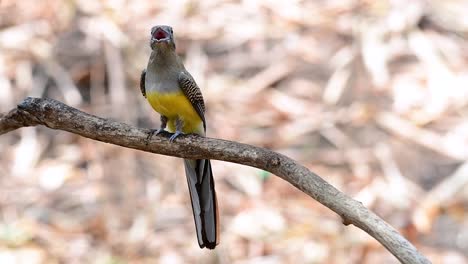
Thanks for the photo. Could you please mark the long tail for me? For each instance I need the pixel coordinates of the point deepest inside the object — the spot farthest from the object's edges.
(204, 204)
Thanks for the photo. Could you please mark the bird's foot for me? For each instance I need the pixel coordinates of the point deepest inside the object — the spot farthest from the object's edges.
(176, 134)
(153, 132)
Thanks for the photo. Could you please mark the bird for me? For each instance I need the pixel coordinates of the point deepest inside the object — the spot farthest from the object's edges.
(173, 93)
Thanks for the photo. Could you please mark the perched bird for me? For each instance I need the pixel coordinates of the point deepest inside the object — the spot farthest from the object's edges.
(172, 92)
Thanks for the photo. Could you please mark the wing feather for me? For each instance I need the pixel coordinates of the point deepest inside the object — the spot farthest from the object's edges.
(190, 89)
(142, 83)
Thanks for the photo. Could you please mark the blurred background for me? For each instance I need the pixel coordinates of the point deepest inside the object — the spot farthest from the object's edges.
(371, 95)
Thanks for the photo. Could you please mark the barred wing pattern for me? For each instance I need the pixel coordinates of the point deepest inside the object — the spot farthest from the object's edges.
(193, 93)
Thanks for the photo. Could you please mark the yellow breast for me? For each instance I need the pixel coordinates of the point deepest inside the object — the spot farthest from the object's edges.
(173, 106)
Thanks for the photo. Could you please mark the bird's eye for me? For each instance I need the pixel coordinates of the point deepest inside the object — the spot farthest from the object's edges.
(171, 30)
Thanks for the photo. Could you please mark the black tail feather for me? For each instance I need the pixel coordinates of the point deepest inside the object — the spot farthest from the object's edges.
(204, 204)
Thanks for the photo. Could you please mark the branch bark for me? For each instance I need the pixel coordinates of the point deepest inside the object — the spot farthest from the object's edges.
(56, 115)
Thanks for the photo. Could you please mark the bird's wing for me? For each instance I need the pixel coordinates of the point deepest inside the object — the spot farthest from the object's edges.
(142, 82)
(193, 93)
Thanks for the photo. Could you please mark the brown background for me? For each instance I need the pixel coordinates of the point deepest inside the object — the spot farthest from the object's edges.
(371, 95)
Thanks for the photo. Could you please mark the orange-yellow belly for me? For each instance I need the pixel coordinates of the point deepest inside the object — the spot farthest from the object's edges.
(173, 106)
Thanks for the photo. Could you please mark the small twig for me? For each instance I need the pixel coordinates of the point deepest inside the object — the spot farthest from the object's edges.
(423, 137)
(341, 77)
(273, 74)
(440, 195)
(400, 191)
(56, 115)
(64, 82)
(115, 71)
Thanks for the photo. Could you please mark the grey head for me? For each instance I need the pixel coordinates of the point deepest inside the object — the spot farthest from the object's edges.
(162, 38)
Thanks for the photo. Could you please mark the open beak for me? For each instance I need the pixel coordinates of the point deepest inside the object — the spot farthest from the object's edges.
(160, 35)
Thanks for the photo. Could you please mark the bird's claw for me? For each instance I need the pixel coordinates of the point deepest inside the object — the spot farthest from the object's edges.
(153, 132)
(176, 134)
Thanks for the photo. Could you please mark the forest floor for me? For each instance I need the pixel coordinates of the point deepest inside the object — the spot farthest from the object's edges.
(370, 95)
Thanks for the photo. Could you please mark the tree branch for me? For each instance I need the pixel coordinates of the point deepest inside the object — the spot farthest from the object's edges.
(56, 115)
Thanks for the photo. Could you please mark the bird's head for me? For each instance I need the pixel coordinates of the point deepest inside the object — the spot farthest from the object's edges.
(162, 38)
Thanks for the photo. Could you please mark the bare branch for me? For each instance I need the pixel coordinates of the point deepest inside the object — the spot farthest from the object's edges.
(56, 115)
